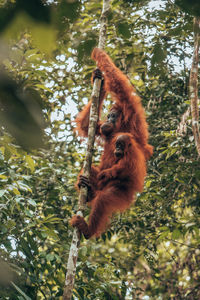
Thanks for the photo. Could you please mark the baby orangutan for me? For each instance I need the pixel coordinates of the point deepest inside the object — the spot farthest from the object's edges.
(112, 185)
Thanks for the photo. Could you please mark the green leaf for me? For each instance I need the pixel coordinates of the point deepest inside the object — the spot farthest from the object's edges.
(10, 224)
(124, 30)
(171, 152)
(23, 186)
(50, 233)
(50, 257)
(29, 213)
(176, 234)
(32, 202)
(84, 251)
(51, 219)
(2, 192)
(163, 235)
(30, 163)
(85, 47)
(159, 54)
(43, 87)
(16, 191)
(21, 292)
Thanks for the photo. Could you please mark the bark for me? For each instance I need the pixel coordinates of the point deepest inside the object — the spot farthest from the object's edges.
(182, 127)
(73, 254)
(193, 85)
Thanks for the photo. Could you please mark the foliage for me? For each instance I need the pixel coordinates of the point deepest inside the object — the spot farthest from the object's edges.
(153, 249)
(192, 7)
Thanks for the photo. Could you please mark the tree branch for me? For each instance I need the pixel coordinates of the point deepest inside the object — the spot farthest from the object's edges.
(182, 127)
(73, 254)
(193, 85)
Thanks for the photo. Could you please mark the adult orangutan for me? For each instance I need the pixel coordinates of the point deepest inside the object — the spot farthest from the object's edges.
(126, 114)
(112, 185)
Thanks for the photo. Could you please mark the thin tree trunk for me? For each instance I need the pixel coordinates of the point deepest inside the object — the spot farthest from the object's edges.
(193, 85)
(73, 254)
(182, 127)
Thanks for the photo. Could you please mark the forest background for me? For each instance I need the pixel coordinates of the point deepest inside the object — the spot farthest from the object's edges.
(152, 250)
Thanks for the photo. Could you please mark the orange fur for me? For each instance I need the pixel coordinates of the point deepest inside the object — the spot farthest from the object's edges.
(132, 116)
(115, 183)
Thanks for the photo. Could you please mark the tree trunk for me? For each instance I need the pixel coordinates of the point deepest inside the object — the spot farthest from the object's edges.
(193, 85)
(182, 127)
